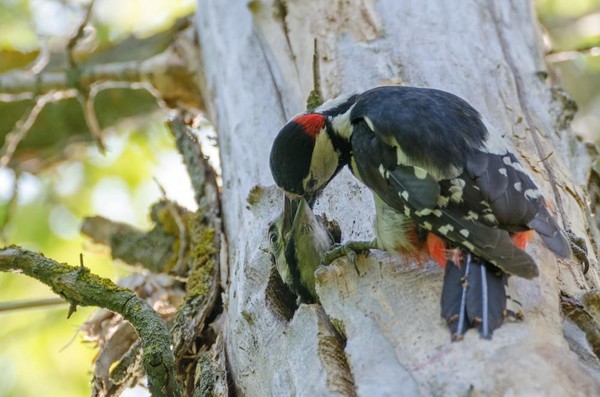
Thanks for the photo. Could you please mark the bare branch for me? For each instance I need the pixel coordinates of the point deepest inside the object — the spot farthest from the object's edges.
(171, 75)
(78, 35)
(30, 304)
(569, 55)
(29, 117)
(91, 119)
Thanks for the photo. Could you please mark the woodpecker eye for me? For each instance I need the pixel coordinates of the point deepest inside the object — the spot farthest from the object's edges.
(311, 184)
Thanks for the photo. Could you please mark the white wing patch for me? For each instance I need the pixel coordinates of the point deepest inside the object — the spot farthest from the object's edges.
(443, 201)
(445, 229)
(533, 193)
(472, 216)
(456, 190)
(424, 212)
(420, 173)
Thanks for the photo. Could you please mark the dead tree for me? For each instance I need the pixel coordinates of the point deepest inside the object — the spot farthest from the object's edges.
(379, 332)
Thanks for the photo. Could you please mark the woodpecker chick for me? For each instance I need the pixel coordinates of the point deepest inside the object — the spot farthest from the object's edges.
(298, 239)
(436, 168)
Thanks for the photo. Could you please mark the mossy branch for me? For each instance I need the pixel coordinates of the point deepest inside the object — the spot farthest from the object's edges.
(157, 249)
(82, 288)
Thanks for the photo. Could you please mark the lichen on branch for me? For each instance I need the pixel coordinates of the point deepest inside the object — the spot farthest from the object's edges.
(80, 287)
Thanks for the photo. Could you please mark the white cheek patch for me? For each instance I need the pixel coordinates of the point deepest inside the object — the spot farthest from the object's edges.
(324, 161)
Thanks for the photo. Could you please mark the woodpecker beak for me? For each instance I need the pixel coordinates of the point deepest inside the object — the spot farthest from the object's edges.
(311, 198)
(290, 206)
(303, 217)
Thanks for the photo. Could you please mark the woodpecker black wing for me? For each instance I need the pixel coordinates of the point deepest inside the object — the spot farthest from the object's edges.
(436, 130)
(440, 135)
(405, 189)
(514, 199)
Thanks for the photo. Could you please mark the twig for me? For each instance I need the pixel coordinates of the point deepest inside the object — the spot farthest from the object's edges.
(315, 98)
(89, 114)
(78, 35)
(80, 287)
(30, 304)
(43, 58)
(24, 124)
(568, 55)
(83, 94)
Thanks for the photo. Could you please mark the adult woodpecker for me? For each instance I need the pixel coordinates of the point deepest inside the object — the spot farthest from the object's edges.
(442, 184)
(298, 239)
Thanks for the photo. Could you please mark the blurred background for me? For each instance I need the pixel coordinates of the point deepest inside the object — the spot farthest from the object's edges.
(58, 176)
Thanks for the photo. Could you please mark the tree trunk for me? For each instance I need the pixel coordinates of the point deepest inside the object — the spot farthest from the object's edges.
(378, 331)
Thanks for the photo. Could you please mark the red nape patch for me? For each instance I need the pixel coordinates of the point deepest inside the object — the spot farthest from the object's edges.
(312, 123)
(437, 249)
(521, 239)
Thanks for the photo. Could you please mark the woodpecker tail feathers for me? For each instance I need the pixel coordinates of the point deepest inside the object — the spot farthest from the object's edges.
(548, 230)
(473, 296)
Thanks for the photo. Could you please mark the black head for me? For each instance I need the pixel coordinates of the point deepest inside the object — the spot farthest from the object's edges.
(303, 158)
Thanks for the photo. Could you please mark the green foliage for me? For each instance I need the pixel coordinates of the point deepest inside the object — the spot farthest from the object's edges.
(574, 28)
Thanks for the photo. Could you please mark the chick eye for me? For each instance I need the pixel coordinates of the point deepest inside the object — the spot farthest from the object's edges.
(273, 237)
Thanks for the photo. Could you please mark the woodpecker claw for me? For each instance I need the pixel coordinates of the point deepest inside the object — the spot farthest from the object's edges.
(350, 251)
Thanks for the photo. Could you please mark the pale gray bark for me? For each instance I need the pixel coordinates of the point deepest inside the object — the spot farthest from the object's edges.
(257, 73)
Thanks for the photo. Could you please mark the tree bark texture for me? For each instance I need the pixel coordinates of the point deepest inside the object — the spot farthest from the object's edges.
(378, 331)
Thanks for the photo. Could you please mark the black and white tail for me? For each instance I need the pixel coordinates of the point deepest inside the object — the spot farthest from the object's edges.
(474, 296)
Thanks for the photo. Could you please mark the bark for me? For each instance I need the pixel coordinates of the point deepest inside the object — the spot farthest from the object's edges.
(379, 332)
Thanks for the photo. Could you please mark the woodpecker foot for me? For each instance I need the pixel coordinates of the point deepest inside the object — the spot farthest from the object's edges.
(514, 310)
(579, 249)
(349, 250)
